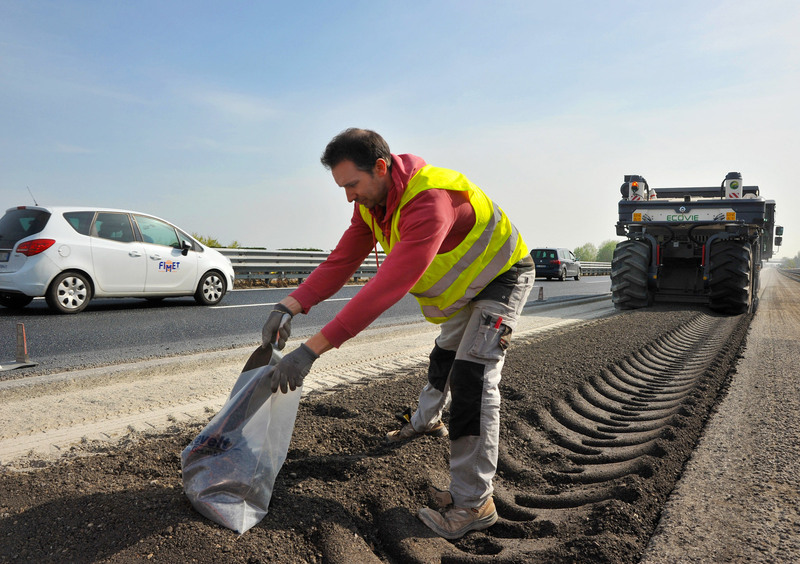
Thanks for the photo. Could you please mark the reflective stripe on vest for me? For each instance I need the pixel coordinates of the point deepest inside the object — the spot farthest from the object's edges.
(491, 247)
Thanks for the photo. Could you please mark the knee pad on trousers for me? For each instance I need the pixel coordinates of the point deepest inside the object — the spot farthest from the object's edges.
(466, 389)
(440, 366)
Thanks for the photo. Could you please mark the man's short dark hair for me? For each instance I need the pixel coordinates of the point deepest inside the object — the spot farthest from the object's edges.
(361, 146)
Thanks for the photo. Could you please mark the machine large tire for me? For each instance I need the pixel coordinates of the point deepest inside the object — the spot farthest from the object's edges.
(729, 281)
(629, 268)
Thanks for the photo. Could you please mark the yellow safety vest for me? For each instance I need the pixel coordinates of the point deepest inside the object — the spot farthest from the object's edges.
(491, 247)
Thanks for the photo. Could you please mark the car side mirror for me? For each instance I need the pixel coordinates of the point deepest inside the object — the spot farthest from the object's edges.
(186, 246)
(778, 241)
(779, 230)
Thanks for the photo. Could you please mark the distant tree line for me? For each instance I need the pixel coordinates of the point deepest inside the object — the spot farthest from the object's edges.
(589, 253)
(793, 262)
(215, 244)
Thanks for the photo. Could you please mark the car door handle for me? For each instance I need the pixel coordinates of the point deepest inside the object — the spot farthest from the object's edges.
(155, 257)
(134, 254)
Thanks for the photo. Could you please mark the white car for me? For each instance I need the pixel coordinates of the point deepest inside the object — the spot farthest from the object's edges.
(70, 255)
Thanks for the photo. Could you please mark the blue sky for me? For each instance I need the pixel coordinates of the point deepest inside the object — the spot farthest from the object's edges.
(214, 114)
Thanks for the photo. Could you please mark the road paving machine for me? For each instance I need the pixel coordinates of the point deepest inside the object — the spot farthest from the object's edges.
(704, 245)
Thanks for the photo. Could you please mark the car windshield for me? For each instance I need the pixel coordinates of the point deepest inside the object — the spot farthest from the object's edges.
(543, 254)
(20, 223)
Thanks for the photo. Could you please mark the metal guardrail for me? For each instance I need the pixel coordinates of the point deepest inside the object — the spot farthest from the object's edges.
(792, 273)
(595, 268)
(258, 264)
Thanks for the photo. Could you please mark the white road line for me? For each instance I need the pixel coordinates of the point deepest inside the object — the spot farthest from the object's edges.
(274, 303)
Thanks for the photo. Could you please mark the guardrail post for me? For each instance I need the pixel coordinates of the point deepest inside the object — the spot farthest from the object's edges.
(22, 360)
(541, 294)
(22, 345)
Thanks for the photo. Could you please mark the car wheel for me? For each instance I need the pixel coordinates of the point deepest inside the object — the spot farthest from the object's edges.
(14, 301)
(578, 275)
(563, 274)
(211, 289)
(69, 292)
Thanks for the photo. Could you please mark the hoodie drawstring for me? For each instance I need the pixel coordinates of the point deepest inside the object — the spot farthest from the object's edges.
(374, 241)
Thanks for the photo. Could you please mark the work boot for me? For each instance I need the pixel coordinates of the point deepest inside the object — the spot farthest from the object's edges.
(455, 522)
(440, 498)
(407, 432)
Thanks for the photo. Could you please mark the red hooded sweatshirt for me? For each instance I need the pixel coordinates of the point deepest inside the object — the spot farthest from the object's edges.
(434, 221)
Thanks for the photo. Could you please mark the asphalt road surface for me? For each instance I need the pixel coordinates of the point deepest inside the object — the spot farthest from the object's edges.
(111, 331)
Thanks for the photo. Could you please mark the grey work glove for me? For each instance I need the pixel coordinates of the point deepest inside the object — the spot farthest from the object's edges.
(277, 328)
(293, 368)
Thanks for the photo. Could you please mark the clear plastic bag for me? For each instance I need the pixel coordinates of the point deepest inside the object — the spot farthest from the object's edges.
(229, 469)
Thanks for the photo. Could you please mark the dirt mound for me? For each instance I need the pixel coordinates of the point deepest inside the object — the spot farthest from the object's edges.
(344, 495)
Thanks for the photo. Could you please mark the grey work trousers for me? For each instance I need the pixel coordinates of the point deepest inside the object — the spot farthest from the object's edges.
(465, 374)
